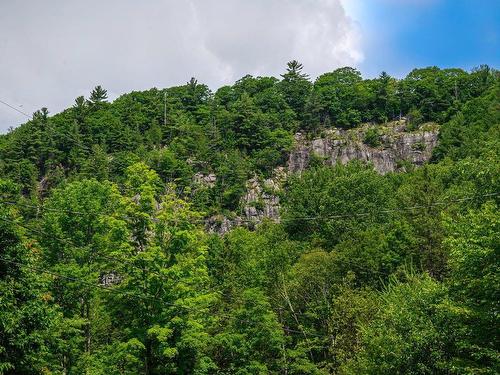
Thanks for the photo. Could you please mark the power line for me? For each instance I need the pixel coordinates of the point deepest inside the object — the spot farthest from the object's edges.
(285, 219)
(162, 277)
(230, 297)
(144, 297)
(123, 261)
(61, 134)
(403, 209)
(15, 109)
(100, 256)
(99, 286)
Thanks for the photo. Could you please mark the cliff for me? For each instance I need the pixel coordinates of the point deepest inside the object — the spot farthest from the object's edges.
(392, 147)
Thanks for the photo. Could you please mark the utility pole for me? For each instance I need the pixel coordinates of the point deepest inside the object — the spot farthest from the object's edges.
(165, 108)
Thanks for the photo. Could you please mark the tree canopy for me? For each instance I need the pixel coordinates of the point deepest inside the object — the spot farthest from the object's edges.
(107, 265)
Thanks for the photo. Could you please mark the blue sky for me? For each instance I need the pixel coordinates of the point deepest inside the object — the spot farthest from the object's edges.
(398, 35)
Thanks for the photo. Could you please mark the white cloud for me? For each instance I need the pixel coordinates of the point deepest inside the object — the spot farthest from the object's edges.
(53, 51)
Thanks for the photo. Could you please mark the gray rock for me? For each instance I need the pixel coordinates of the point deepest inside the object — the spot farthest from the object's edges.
(205, 180)
(109, 278)
(261, 199)
(221, 224)
(398, 145)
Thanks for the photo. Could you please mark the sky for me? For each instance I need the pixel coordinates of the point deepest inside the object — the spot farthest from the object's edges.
(53, 51)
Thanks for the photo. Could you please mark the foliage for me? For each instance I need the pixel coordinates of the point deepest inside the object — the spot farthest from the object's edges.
(407, 335)
(372, 137)
(106, 266)
(328, 204)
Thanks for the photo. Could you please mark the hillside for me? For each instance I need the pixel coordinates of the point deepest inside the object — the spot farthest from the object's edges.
(274, 226)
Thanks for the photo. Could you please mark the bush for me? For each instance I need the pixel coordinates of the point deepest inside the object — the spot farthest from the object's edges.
(372, 138)
(415, 119)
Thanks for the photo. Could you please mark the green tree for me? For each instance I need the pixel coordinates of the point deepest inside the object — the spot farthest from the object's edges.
(28, 319)
(253, 341)
(83, 239)
(408, 334)
(328, 204)
(474, 244)
(338, 97)
(162, 302)
(98, 95)
(423, 190)
(295, 87)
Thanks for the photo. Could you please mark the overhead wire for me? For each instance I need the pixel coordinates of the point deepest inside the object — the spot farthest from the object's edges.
(144, 297)
(243, 220)
(227, 296)
(61, 134)
(15, 109)
(329, 217)
(286, 218)
(102, 256)
(124, 261)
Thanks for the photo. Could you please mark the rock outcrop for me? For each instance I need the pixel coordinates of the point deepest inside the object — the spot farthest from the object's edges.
(205, 180)
(221, 224)
(397, 147)
(110, 278)
(393, 149)
(260, 201)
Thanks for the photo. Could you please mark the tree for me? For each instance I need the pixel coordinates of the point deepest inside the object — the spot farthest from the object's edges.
(422, 190)
(162, 302)
(253, 340)
(41, 115)
(338, 98)
(408, 334)
(232, 171)
(473, 130)
(28, 319)
(474, 244)
(84, 237)
(295, 87)
(98, 95)
(80, 109)
(154, 135)
(97, 164)
(342, 199)
(386, 102)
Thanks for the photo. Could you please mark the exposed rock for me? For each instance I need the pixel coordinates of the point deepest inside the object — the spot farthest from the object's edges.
(397, 146)
(221, 224)
(205, 180)
(275, 183)
(109, 279)
(261, 199)
(259, 202)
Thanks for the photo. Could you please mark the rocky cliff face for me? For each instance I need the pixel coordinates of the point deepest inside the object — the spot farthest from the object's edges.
(395, 148)
(260, 201)
(391, 148)
(262, 197)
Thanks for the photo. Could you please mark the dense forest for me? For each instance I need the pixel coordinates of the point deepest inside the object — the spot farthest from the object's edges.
(107, 267)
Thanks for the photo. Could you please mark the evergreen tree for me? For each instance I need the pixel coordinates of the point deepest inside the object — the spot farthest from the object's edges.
(295, 87)
(98, 95)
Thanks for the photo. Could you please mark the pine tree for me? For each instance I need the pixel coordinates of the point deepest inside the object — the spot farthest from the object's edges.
(98, 95)
(295, 87)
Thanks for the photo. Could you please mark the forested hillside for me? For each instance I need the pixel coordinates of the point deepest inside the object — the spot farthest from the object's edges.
(276, 226)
